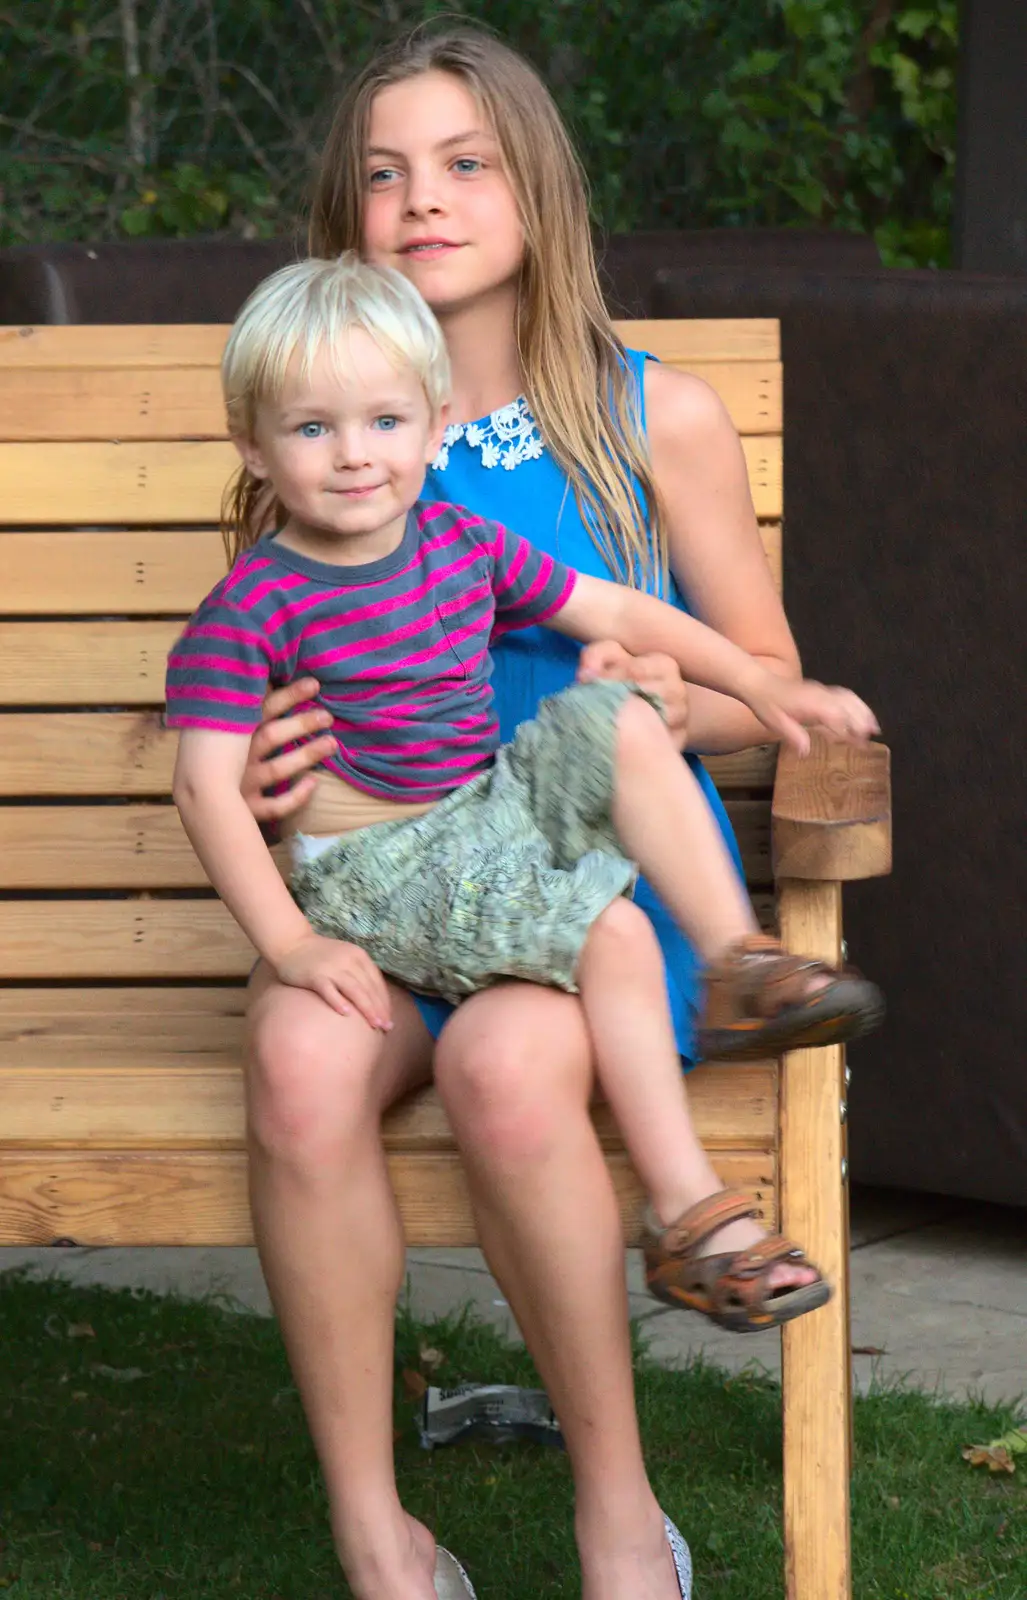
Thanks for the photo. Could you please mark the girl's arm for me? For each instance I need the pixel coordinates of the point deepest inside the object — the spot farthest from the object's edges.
(715, 550)
(597, 609)
(226, 837)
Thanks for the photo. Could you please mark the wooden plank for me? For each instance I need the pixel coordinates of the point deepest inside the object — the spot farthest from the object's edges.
(201, 344)
(110, 847)
(79, 403)
(131, 753)
(160, 481)
(199, 1197)
(127, 1027)
(131, 570)
(85, 752)
(145, 847)
(110, 939)
(84, 663)
(77, 1097)
(832, 813)
(170, 481)
(814, 1206)
(79, 573)
(69, 403)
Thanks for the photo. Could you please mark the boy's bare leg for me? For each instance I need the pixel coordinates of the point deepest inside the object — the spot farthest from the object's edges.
(623, 990)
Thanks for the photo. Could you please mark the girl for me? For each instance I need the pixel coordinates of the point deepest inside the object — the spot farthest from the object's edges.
(447, 160)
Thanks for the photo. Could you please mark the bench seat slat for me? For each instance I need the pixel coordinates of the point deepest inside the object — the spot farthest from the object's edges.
(145, 847)
(79, 1099)
(141, 939)
(199, 1197)
(178, 481)
(135, 571)
(105, 403)
(200, 344)
(131, 753)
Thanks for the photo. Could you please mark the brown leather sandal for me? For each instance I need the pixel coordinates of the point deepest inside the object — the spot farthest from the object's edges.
(730, 1289)
(761, 1000)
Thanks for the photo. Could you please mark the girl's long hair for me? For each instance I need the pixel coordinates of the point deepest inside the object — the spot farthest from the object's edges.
(576, 377)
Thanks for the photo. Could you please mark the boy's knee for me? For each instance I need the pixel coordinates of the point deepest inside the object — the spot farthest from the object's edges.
(640, 728)
(622, 932)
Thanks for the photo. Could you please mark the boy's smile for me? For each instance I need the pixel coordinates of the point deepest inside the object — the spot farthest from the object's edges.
(345, 447)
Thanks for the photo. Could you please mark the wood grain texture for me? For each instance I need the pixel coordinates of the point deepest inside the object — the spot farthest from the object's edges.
(72, 573)
(171, 481)
(132, 570)
(145, 847)
(135, 938)
(201, 344)
(108, 403)
(132, 753)
(84, 663)
(814, 1210)
(78, 1097)
(832, 813)
(199, 1197)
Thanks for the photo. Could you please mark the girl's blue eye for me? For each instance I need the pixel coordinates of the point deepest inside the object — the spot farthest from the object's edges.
(467, 164)
(382, 175)
(311, 430)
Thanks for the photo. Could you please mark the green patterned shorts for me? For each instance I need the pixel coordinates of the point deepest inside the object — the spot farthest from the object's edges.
(504, 877)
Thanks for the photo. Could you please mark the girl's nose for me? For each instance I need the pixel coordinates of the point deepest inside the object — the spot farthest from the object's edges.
(422, 196)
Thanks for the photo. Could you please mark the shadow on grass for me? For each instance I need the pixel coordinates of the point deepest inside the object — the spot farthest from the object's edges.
(152, 1448)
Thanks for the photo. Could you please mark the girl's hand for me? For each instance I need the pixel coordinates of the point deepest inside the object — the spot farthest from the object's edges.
(789, 707)
(657, 674)
(342, 974)
(265, 770)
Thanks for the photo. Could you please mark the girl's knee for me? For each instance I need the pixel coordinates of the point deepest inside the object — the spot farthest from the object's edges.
(514, 1088)
(310, 1075)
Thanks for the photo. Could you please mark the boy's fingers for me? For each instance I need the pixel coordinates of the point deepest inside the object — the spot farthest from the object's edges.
(273, 807)
(604, 658)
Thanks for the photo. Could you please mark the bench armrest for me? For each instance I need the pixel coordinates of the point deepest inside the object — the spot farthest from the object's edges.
(831, 813)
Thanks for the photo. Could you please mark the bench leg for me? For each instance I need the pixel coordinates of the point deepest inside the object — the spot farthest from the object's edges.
(816, 1348)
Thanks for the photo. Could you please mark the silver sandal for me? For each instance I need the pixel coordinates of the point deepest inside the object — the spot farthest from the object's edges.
(682, 1558)
(451, 1581)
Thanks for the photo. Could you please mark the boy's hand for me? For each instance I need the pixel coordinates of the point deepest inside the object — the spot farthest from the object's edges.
(342, 974)
(791, 706)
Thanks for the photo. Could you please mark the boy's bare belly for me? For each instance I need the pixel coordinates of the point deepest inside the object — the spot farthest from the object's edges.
(337, 807)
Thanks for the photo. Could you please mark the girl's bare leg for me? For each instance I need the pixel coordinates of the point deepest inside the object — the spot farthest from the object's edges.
(514, 1069)
(331, 1247)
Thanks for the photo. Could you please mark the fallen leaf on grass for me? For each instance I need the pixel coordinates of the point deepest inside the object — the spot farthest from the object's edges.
(119, 1374)
(431, 1359)
(868, 1350)
(998, 1455)
(81, 1330)
(414, 1383)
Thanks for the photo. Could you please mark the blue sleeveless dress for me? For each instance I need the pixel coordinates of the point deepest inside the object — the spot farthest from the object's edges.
(500, 469)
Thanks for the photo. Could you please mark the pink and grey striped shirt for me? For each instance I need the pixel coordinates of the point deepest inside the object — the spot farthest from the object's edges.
(400, 647)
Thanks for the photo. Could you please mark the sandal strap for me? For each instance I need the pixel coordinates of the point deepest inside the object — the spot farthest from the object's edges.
(683, 1236)
(758, 978)
(764, 1253)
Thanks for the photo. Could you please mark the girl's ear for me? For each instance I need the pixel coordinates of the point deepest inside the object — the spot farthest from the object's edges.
(252, 457)
(439, 424)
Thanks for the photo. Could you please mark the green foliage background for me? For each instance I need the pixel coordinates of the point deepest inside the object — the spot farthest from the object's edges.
(689, 113)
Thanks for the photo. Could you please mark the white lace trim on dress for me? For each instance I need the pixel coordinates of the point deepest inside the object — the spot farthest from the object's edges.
(505, 439)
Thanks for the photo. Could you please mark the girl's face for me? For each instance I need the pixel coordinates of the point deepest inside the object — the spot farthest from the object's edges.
(439, 205)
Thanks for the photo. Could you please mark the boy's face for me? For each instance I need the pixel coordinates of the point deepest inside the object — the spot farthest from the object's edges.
(346, 451)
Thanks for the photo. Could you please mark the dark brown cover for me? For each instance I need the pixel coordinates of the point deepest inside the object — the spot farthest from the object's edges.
(905, 568)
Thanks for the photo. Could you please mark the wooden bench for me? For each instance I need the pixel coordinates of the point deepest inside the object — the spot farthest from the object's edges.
(121, 974)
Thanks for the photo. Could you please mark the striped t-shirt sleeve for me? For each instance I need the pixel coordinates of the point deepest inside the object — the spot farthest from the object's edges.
(528, 585)
(218, 671)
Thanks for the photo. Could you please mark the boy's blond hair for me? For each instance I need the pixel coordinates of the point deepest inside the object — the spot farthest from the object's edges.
(307, 309)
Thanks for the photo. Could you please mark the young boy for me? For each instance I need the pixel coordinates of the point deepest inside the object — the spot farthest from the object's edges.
(428, 853)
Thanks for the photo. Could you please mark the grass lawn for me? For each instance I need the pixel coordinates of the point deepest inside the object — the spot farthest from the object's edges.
(152, 1449)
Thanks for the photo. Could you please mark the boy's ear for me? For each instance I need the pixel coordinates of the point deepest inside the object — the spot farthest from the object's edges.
(440, 422)
(250, 451)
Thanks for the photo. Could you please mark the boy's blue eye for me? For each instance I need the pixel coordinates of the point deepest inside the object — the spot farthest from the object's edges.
(386, 424)
(311, 430)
